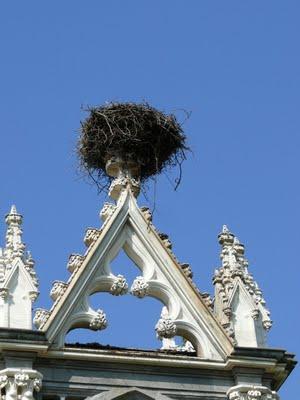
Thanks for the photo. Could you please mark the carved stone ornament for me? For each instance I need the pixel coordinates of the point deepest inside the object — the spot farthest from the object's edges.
(20, 384)
(234, 396)
(248, 392)
(33, 295)
(165, 328)
(75, 262)
(58, 289)
(15, 248)
(267, 325)
(147, 214)
(160, 277)
(40, 318)
(3, 293)
(186, 268)
(139, 287)
(107, 211)
(99, 322)
(91, 236)
(120, 183)
(232, 278)
(207, 299)
(254, 395)
(166, 241)
(255, 314)
(119, 287)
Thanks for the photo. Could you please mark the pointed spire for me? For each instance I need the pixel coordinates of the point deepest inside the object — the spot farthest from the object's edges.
(225, 229)
(17, 276)
(14, 245)
(233, 272)
(13, 209)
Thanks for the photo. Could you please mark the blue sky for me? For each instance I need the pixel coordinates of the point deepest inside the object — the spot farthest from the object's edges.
(234, 65)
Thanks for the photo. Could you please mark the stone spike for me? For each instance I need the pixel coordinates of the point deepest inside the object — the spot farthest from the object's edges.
(13, 218)
(236, 240)
(225, 229)
(14, 244)
(13, 210)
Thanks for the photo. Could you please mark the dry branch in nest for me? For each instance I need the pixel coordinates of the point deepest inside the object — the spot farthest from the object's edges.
(132, 132)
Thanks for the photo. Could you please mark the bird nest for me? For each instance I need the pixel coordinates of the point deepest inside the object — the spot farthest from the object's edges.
(131, 132)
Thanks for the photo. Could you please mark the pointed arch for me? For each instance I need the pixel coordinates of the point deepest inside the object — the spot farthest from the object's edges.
(160, 277)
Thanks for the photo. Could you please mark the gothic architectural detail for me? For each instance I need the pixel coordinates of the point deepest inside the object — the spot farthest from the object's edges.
(75, 262)
(20, 384)
(3, 293)
(119, 286)
(120, 183)
(18, 281)
(165, 327)
(33, 295)
(147, 214)
(197, 357)
(186, 268)
(208, 300)
(166, 241)
(251, 392)
(208, 345)
(58, 289)
(239, 304)
(40, 318)
(91, 236)
(99, 322)
(107, 211)
(139, 287)
(161, 277)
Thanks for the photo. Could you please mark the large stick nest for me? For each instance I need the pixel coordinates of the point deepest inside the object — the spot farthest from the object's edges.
(132, 132)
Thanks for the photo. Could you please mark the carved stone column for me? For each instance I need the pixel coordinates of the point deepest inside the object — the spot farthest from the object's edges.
(251, 392)
(16, 383)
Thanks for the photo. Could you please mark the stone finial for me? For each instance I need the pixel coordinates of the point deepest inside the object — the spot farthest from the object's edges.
(233, 274)
(225, 229)
(125, 174)
(225, 237)
(14, 245)
(16, 266)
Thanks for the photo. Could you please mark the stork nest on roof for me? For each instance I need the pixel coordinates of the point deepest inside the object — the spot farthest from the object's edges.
(132, 132)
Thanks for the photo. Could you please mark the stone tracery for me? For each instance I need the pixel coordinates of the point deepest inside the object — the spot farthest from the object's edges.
(151, 283)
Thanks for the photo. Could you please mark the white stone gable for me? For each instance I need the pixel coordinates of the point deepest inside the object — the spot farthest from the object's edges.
(161, 276)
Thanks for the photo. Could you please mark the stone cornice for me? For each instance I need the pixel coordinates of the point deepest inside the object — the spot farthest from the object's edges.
(278, 364)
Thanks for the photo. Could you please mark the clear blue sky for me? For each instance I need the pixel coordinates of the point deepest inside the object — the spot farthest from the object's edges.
(233, 64)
